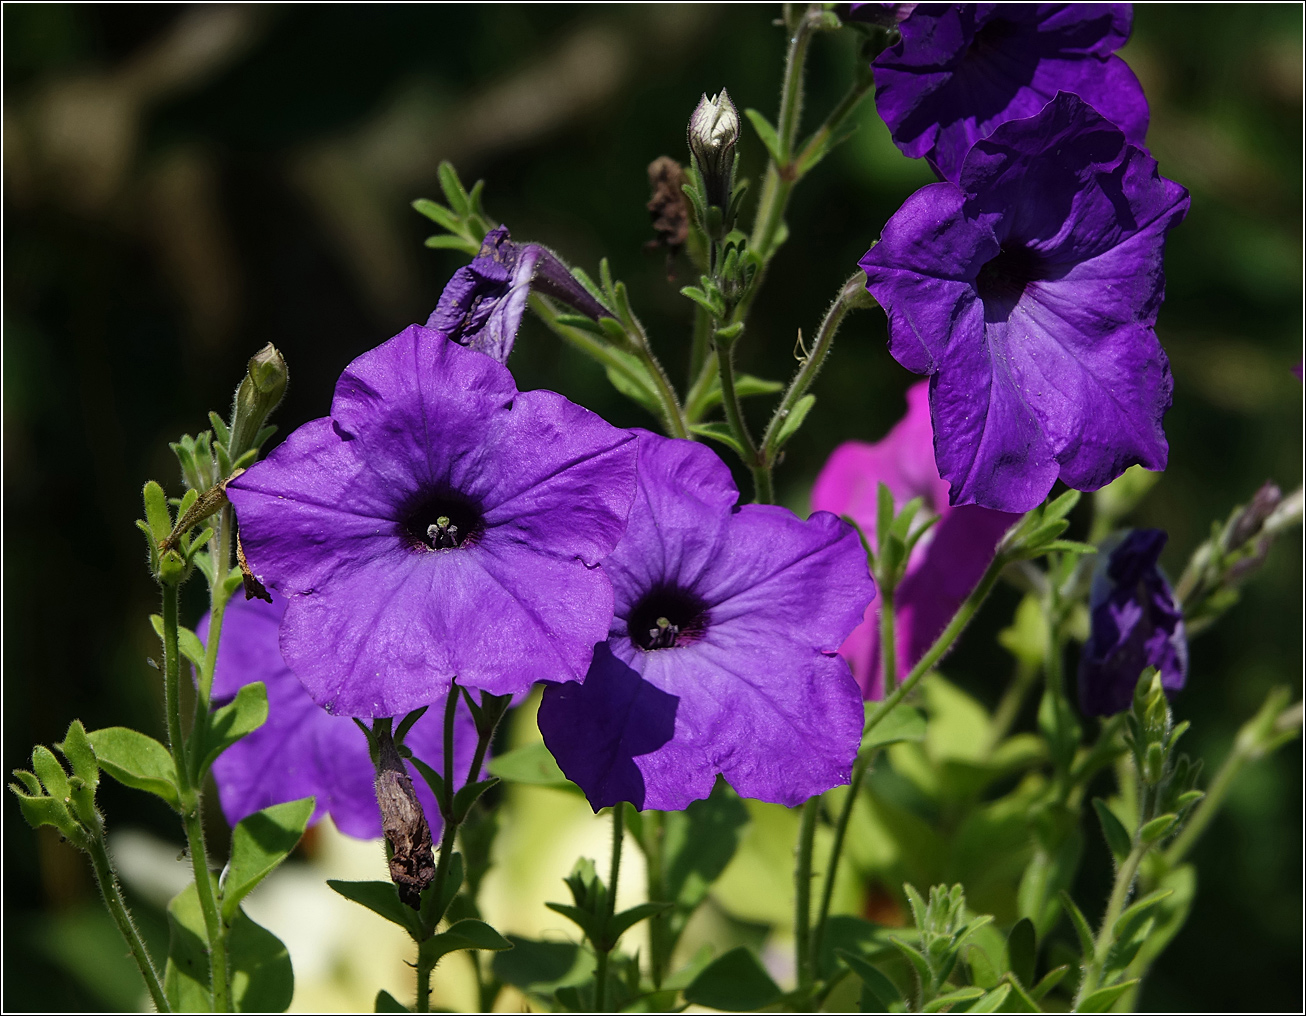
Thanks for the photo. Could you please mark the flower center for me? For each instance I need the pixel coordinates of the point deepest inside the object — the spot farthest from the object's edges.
(1003, 279)
(666, 618)
(443, 521)
(990, 37)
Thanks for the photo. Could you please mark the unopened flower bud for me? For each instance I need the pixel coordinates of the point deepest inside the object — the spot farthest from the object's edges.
(412, 860)
(1247, 523)
(257, 396)
(713, 134)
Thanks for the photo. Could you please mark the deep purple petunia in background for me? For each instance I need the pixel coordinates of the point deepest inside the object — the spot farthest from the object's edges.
(722, 653)
(301, 749)
(1136, 623)
(961, 70)
(1029, 293)
(482, 304)
(438, 525)
(945, 564)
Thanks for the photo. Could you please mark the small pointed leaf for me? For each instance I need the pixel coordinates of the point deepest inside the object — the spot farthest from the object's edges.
(136, 760)
(259, 843)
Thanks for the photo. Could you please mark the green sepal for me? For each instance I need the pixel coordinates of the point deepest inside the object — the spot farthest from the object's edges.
(766, 134)
(76, 748)
(454, 191)
(736, 981)
(447, 241)
(1132, 919)
(874, 980)
(1049, 981)
(916, 958)
(156, 512)
(386, 1002)
(381, 898)
(720, 432)
(406, 724)
(259, 843)
(795, 419)
(1082, 929)
(228, 724)
(30, 783)
(1102, 999)
(1022, 950)
(220, 430)
(466, 934)
(532, 765)
(958, 997)
(438, 214)
(1157, 828)
(992, 1002)
(51, 773)
(1116, 836)
(714, 307)
(137, 760)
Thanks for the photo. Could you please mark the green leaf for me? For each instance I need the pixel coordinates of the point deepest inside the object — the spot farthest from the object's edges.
(386, 1002)
(1062, 506)
(40, 810)
(697, 845)
(259, 843)
(795, 419)
(1020, 1000)
(1157, 828)
(620, 923)
(766, 134)
(639, 392)
(156, 512)
(1116, 837)
(1021, 950)
(469, 794)
(543, 967)
(1082, 929)
(1102, 999)
(454, 192)
(993, 1000)
(533, 765)
(983, 971)
(468, 934)
(438, 214)
(448, 241)
(1069, 547)
(722, 433)
(583, 919)
(745, 386)
(957, 997)
(76, 748)
(225, 726)
(261, 976)
(136, 760)
(1050, 980)
(901, 723)
(915, 958)
(876, 982)
(432, 910)
(381, 898)
(1130, 921)
(733, 982)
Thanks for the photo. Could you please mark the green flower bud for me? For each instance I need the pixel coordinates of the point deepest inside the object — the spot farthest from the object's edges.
(257, 396)
(713, 134)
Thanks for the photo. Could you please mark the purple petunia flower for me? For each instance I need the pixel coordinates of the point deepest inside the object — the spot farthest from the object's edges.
(722, 654)
(945, 564)
(961, 70)
(301, 749)
(1136, 623)
(882, 15)
(482, 305)
(438, 524)
(1029, 294)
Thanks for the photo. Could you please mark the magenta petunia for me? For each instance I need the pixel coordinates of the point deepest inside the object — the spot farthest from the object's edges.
(302, 750)
(1029, 294)
(959, 71)
(439, 524)
(945, 564)
(722, 653)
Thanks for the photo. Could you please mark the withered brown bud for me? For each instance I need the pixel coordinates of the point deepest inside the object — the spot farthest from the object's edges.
(412, 861)
(253, 587)
(667, 205)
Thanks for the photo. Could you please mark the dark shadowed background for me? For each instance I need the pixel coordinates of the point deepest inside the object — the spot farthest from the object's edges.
(183, 184)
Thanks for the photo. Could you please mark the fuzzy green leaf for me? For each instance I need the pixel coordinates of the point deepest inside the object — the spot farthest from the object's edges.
(734, 982)
(136, 760)
(259, 843)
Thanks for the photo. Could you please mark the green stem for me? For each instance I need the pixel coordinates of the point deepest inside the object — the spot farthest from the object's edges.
(213, 924)
(172, 687)
(446, 811)
(218, 600)
(836, 851)
(109, 889)
(424, 968)
(803, 895)
(942, 644)
(888, 647)
(851, 294)
(1008, 707)
(659, 924)
(601, 982)
(725, 356)
(1120, 891)
(604, 947)
(700, 347)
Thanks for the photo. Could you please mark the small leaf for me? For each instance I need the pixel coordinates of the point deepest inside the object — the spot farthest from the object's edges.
(1021, 950)
(136, 760)
(468, 795)
(156, 512)
(187, 641)
(454, 192)
(381, 898)
(734, 982)
(915, 958)
(259, 843)
(386, 1002)
(1116, 837)
(1157, 828)
(876, 982)
(795, 419)
(639, 392)
(1082, 929)
(542, 967)
(532, 765)
(1128, 922)
(1050, 980)
(957, 997)
(583, 919)
(766, 134)
(1062, 506)
(228, 724)
(1020, 1000)
(468, 934)
(432, 910)
(76, 748)
(993, 1000)
(438, 214)
(901, 723)
(1102, 999)
(622, 922)
(1070, 547)
(722, 433)
(982, 969)
(447, 241)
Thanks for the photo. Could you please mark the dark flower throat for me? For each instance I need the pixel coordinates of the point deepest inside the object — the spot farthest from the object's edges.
(443, 522)
(666, 618)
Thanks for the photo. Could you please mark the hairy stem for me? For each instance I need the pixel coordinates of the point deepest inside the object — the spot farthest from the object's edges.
(659, 924)
(603, 948)
(725, 355)
(112, 893)
(214, 927)
(1120, 891)
(836, 850)
(803, 895)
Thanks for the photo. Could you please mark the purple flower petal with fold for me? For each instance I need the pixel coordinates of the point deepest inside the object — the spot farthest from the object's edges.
(482, 305)
(1135, 623)
(1029, 293)
(302, 749)
(722, 653)
(946, 563)
(438, 524)
(881, 15)
(961, 70)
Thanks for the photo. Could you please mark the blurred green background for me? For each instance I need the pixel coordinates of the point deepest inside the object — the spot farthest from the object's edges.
(184, 184)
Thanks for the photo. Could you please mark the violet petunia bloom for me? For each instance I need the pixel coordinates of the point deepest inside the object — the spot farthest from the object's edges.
(881, 15)
(961, 70)
(439, 524)
(1135, 623)
(301, 749)
(482, 304)
(722, 652)
(1029, 294)
(946, 563)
